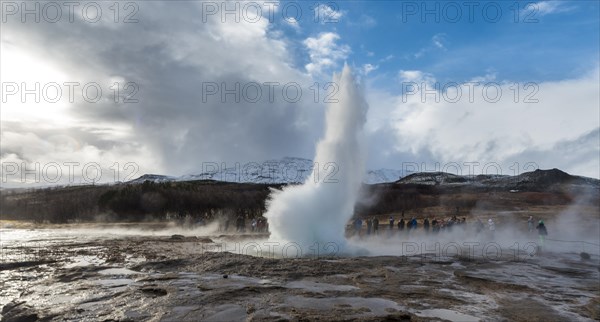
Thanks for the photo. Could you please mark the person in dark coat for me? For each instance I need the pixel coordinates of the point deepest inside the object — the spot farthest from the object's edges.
(412, 224)
(375, 226)
(542, 232)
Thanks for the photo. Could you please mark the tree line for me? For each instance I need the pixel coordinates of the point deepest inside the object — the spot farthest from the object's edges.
(207, 199)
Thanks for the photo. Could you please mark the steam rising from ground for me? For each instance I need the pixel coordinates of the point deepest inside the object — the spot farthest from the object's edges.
(574, 228)
(317, 211)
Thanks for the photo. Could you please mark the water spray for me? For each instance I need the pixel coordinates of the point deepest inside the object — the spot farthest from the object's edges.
(314, 215)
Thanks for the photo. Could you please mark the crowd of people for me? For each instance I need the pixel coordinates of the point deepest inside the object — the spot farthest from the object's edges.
(373, 225)
(435, 226)
(257, 224)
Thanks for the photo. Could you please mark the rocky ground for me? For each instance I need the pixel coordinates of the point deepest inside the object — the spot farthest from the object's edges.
(79, 275)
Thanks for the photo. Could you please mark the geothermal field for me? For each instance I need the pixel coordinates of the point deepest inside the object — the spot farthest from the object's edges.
(319, 252)
(288, 160)
(161, 272)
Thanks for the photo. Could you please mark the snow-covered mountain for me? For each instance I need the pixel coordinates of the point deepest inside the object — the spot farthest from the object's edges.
(297, 170)
(382, 176)
(529, 181)
(153, 178)
(286, 170)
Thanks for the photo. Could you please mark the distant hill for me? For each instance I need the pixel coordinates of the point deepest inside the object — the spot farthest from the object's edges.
(538, 180)
(292, 170)
(153, 178)
(160, 197)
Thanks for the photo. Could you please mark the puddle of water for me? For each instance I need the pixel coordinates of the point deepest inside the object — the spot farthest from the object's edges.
(319, 287)
(115, 282)
(228, 312)
(377, 306)
(447, 315)
(79, 261)
(179, 313)
(121, 281)
(118, 271)
(61, 299)
(136, 315)
(236, 280)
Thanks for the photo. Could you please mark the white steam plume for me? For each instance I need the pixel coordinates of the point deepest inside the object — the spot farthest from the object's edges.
(317, 211)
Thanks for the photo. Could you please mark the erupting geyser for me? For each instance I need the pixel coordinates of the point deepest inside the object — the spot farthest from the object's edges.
(317, 211)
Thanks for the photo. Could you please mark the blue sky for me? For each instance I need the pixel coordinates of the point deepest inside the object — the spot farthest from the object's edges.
(174, 48)
(545, 42)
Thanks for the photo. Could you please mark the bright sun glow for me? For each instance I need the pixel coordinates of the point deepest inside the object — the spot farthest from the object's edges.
(23, 70)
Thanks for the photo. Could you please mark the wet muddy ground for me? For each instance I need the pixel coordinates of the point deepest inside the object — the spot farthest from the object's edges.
(80, 275)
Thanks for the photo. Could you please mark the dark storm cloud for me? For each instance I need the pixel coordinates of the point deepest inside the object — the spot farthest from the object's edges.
(169, 54)
(579, 155)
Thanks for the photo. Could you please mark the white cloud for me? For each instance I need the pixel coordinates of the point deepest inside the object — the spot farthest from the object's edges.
(416, 76)
(438, 41)
(170, 54)
(489, 76)
(545, 8)
(420, 53)
(387, 58)
(367, 68)
(292, 22)
(324, 52)
(504, 131)
(327, 14)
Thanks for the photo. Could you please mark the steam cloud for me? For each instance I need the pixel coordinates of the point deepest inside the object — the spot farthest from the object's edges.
(317, 211)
